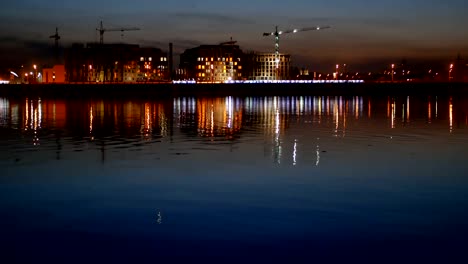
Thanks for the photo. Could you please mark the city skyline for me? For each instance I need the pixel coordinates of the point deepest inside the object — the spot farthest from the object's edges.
(361, 33)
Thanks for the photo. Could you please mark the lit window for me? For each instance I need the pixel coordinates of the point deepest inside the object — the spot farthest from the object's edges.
(165, 59)
(142, 59)
(150, 59)
(235, 63)
(162, 59)
(212, 58)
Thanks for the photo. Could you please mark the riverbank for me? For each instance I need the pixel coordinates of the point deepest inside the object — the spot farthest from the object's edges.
(270, 89)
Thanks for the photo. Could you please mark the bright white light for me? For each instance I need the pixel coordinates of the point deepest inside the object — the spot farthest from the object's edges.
(14, 74)
(318, 28)
(295, 31)
(295, 153)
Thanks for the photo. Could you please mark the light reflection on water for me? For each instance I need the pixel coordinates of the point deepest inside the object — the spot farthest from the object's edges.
(248, 170)
(230, 119)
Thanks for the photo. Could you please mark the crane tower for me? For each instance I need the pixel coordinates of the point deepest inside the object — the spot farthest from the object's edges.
(56, 37)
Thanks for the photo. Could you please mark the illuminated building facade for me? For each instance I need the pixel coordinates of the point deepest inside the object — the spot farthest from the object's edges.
(263, 67)
(115, 63)
(55, 74)
(212, 63)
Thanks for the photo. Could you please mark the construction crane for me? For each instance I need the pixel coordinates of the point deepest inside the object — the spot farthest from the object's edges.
(56, 37)
(102, 30)
(277, 34)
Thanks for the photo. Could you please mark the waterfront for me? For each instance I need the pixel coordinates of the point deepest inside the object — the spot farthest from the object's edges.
(241, 179)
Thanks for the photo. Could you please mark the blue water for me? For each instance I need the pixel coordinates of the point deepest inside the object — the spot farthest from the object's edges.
(234, 180)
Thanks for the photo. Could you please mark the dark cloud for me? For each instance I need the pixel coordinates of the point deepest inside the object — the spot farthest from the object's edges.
(16, 51)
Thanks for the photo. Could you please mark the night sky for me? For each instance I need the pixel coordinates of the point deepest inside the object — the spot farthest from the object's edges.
(363, 31)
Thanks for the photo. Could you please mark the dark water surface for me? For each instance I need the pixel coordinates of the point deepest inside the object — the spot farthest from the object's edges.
(234, 179)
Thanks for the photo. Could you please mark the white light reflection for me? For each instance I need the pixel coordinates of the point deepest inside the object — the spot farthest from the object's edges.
(163, 122)
(318, 153)
(4, 111)
(393, 115)
(301, 105)
(230, 111)
(26, 119)
(31, 111)
(277, 132)
(35, 121)
(295, 153)
(336, 115)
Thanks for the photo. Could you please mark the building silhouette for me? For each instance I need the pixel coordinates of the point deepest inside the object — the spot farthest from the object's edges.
(120, 63)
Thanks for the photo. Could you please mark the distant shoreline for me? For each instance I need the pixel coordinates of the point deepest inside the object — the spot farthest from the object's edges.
(268, 89)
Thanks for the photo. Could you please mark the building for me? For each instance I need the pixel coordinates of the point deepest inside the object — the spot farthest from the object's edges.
(117, 63)
(56, 74)
(263, 67)
(458, 71)
(212, 63)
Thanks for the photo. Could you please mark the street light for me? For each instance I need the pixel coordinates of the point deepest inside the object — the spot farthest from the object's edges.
(393, 67)
(450, 72)
(35, 72)
(337, 67)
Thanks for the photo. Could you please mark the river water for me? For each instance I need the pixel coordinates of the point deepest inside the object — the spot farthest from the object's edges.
(234, 179)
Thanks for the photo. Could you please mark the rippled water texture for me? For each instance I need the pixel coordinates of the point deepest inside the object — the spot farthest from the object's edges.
(250, 179)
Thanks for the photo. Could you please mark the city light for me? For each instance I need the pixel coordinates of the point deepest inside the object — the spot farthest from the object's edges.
(450, 71)
(275, 81)
(393, 72)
